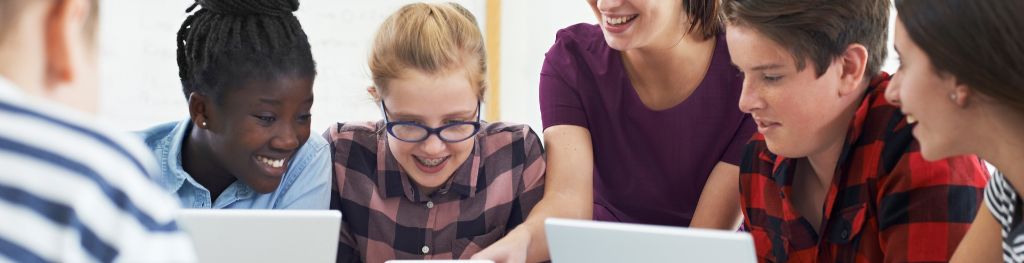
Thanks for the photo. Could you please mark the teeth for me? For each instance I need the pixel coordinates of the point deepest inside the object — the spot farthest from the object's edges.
(271, 162)
(618, 20)
(430, 162)
(911, 119)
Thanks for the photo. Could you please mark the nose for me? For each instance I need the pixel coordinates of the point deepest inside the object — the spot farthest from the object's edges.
(750, 98)
(433, 145)
(892, 93)
(287, 138)
(605, 5)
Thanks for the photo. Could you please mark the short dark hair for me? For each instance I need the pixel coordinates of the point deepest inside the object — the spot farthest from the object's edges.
(818, 29)
(977, 41)
(705, 17)
(231, 43)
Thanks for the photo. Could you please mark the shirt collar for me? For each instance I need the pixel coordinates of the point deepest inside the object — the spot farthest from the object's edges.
(393, 181)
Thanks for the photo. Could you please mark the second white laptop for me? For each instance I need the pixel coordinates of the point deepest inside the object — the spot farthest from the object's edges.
(571, 241)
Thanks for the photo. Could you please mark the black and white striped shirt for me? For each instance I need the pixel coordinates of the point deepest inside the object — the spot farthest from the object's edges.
(1003, 201)
(70, 192)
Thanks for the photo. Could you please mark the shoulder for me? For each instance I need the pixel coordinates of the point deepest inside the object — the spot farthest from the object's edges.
(582, 33)
(498, 134)
(354, 143)
(579, 42)
(349, 131)
(153, 135)
(518, 143)
(87, 166)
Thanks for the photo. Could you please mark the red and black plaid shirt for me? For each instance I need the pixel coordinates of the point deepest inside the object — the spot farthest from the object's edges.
(886, 203)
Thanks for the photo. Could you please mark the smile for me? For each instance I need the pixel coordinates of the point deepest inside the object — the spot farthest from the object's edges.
(431, 162)
(619, 20)
(275, 163)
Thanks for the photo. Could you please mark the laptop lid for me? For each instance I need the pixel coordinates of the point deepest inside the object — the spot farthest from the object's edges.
(572, 241)
(237, 235)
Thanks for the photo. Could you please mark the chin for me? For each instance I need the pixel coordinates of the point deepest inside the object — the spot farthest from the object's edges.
(784, 150)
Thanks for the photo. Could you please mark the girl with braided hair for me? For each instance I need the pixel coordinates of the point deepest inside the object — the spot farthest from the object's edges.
(247, 73)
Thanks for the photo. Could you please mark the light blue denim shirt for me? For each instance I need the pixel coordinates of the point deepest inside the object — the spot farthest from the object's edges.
(306, 184)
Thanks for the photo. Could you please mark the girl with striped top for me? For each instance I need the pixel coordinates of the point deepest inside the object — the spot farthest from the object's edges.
(962, 84)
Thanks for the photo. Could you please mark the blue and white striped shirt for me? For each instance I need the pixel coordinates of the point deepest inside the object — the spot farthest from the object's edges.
(70, 192)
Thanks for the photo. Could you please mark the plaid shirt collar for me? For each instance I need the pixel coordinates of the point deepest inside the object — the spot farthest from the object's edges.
(396, 182)
(783, 171)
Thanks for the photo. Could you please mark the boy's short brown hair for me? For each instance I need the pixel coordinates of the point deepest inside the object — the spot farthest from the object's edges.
(818, 29)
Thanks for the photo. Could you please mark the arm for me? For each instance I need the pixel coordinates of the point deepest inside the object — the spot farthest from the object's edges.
(719, 205)
(568, 193)
(982, 242)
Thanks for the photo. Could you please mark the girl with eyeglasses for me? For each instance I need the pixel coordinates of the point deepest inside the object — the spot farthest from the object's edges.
(430, 180)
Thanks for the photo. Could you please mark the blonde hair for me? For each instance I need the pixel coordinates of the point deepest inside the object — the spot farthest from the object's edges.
(432, 38)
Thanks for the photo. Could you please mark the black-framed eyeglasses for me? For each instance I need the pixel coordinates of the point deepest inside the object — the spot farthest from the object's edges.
(410, 131)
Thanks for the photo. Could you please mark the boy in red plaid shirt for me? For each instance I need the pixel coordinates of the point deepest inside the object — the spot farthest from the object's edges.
(833, 173)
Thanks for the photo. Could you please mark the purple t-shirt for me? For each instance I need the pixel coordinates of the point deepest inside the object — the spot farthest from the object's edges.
(649, 166)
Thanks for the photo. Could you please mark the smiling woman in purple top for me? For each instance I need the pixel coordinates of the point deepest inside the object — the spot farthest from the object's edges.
(640, 120)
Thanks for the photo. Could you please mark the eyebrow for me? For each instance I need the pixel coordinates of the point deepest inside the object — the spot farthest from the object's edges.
(766, 67)
(275, 102)
(400, 115)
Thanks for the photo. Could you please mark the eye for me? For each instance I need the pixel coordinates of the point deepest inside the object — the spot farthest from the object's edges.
(305, 117)
(265, 119)
(771, 79)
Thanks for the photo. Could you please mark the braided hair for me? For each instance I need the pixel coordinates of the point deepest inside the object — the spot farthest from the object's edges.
(230, 43)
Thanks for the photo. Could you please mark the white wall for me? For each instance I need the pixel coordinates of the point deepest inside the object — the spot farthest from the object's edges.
(139, 69)
(139, 72)
(528, 30)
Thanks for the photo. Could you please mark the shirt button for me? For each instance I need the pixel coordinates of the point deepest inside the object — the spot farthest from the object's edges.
(425, 249)
(430, 204)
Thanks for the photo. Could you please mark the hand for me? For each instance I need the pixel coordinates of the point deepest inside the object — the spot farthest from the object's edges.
(509, 249)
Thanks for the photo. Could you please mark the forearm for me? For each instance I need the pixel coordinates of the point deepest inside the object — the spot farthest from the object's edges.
(552, 205)
(719, 205)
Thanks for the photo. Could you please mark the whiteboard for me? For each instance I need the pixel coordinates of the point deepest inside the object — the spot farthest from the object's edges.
(139, 84)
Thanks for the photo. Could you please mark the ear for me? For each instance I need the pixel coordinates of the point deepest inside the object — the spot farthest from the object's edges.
(198, 109)
(65, 42)
(372, 90)
(961, 94)
(852, 64)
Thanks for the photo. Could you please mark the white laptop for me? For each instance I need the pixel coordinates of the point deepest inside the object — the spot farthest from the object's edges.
(571, 241)
(238, 235)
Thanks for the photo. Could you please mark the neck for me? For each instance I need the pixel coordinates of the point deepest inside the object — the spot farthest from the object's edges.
(199, 161)
(1001, 144)
(665, 64)
(824, 160)
(22, 53)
